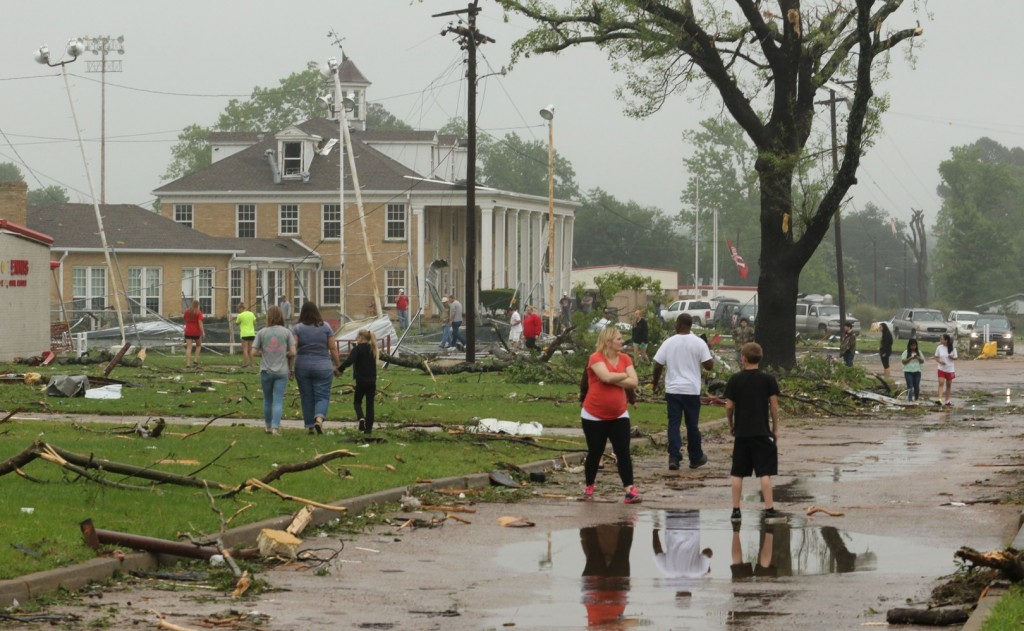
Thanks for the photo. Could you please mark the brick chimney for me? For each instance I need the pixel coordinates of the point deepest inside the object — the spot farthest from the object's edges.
(13, 200)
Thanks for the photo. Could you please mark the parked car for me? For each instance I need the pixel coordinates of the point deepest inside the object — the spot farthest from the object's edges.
(699, 310)
(921, 323)
(963, 320)
(822, 320)
(999, 330)
(721, 317)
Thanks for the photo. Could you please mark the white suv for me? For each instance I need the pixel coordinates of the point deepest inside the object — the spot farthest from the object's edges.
(964, 321)
(699, 310)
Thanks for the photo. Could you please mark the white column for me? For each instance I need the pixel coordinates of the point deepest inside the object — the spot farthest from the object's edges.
(500, 248)
(567, 229)
(487, 246)
(538, 247)
(525, 230)
(512, 220)
(419, 300)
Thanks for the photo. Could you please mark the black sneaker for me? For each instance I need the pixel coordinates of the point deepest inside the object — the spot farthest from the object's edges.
(736, 516)
(770, 515)
(673, 464)
(699, 463)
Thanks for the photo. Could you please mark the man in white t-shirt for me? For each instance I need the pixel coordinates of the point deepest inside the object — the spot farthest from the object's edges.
(681, 357)
(515, 329)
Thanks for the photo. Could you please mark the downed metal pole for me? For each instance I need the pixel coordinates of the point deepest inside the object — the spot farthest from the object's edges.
(94, 537)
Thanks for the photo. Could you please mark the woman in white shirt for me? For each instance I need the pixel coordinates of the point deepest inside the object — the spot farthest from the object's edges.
(945, 353)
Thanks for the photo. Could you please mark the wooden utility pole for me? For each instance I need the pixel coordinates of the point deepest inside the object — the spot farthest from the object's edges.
(469, 38)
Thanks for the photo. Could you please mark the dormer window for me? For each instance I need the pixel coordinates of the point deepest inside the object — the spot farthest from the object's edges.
(291, 159)
(295, 150)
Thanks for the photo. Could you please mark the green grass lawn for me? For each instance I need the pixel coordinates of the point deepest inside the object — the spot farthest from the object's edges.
(59, 500)
(1008, 612)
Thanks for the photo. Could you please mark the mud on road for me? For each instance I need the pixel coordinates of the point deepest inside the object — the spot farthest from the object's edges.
(912, 489)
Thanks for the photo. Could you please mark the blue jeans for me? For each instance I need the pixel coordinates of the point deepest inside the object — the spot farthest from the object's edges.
(314, 392)
(457, 336)
(446, 336)
(913, 385)
(273, 397)
(403, 319)
(682, 406)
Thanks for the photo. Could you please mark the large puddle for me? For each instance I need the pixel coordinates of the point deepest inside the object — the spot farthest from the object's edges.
(691, 568)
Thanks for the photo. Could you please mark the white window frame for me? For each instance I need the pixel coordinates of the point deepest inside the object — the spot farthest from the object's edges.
(330, 281)
(197, 284)
(455, 230)
(250, 220)
(88, 289)
(302, 289)
(334, 221)
(236, 287)
(283, 221)
(394, 279)
(145, 284)
(394, 222)
(184, 214)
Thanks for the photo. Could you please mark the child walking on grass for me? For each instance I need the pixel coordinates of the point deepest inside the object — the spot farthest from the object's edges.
(364, 359)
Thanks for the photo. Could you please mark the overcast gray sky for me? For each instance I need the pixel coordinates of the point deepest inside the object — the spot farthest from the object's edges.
(185, 59)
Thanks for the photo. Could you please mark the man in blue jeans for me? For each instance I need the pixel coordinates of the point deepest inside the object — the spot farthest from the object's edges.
(681, 357)
(455, 319)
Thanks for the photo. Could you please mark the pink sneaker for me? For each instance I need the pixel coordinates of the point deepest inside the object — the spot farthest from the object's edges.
(632, 496)
(588, 493)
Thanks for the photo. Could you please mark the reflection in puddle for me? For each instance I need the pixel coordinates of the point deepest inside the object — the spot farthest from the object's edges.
(662, 569)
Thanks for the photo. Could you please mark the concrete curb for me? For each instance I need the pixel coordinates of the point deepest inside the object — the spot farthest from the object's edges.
(75, 577)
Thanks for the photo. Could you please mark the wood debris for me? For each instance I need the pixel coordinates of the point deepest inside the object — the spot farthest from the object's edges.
(812, 509)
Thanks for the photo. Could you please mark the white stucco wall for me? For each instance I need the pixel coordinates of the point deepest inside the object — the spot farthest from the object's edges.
(24, 296)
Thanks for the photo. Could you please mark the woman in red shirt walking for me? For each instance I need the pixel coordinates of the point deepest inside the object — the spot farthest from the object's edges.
(605, 412)
(194, 333)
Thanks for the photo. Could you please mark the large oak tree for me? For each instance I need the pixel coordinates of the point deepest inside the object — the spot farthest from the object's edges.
(767, 61)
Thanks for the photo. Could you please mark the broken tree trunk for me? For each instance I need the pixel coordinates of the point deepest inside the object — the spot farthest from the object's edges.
(1006, 561)
(929, 617)
(553, 346)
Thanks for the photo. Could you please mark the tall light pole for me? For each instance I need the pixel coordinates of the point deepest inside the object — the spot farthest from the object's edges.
(341, 107)
(548, 114)
(101, 46)
(75, 49)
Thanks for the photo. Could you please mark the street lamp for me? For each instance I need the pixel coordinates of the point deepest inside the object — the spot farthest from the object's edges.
(332, 69)
(548, 114)
(101, 46)
(74, 49)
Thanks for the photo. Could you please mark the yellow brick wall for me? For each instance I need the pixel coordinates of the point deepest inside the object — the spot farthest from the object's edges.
(13, 201)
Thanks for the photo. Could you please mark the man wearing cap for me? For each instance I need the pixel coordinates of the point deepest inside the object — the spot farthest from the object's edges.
(402, 306)
(848, 347)
(566, 304)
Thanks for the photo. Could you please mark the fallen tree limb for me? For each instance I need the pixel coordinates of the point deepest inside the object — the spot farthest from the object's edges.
(553, 346)
(293, 498)
(1008, 561)
(208, 423)
(812, 509)
(436, 369)
(929, 617)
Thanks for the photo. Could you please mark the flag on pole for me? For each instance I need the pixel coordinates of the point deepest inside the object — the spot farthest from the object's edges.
(741, 266)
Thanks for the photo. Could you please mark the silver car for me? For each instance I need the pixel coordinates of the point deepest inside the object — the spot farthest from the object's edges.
(921, 323)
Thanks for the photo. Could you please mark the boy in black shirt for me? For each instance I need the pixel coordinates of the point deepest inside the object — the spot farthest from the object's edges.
(751, 400)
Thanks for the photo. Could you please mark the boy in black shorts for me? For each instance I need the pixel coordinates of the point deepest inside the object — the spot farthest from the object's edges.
(751, 401)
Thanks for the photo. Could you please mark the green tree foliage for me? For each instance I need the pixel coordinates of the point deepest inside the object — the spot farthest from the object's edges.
(766, 62)
(514, 164)
(9, 172)
(48, 196)
(607, 231)
(292, 101)
(979, 235)
(380, 119)
(724, 179)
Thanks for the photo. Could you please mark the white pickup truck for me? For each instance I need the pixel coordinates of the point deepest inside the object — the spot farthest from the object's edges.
(819, 319)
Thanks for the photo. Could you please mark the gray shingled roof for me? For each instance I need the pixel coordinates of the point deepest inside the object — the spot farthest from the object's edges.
(348, 73)
(248, 171)
(130, 227)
